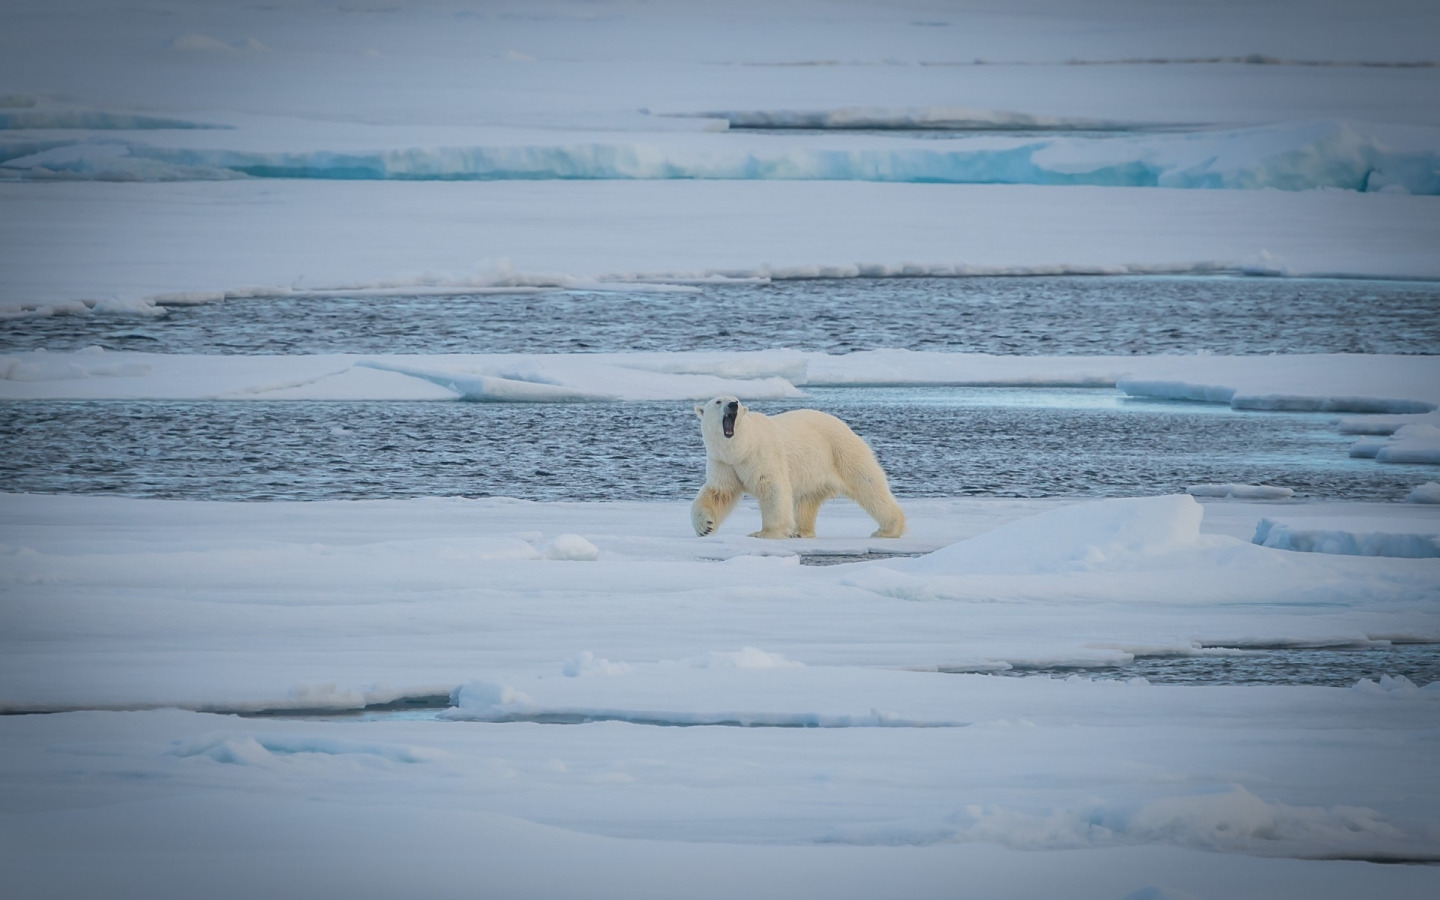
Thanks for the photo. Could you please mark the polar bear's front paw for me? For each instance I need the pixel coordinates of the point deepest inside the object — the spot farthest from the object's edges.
(773, 534)
(704, 523)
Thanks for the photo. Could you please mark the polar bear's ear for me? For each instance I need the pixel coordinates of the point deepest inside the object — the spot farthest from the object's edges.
(700, 410)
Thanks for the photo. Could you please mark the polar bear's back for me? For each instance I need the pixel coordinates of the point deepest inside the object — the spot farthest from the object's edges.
(821, 450)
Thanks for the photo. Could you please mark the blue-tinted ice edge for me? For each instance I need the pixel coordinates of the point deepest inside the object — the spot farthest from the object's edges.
(1338, 155)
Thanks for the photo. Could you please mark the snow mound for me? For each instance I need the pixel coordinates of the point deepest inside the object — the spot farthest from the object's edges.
(1367, 448)
(487, 700)
(1415, 443)
(1394, 686)
(270, 749)
(1429, 492)
(571, 547)
(587, 663)
(1380, 424)
(744, 658)
(1241, 491)
(1380, 537)
(1073, 538)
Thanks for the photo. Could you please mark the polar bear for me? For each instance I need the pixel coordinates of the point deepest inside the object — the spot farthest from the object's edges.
(791, 463)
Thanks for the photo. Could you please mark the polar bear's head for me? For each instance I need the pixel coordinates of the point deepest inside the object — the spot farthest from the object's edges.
(718, 417)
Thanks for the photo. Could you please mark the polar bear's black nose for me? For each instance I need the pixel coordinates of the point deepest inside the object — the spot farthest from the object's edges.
(732, 408)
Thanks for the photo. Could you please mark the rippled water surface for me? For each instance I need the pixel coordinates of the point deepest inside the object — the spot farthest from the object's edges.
(1007, 442)
(1328, 666)
(1024, 316)
(933, 441)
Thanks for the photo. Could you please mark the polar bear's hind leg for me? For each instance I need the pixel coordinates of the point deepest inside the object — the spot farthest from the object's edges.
(871, 491)
(892, 521)
(806, 509)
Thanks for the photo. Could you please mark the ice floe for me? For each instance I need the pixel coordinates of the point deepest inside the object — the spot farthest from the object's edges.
(574, 234)
(1241, 491)
(1372, 537)
(1429, 492)
(1304, 156)
(785, 704)
(1299, 382)
(1412, 444)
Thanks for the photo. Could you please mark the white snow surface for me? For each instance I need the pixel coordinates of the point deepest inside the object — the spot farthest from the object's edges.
(821, 713)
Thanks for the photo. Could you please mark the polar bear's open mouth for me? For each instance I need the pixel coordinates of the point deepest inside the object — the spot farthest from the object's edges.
(727, 422)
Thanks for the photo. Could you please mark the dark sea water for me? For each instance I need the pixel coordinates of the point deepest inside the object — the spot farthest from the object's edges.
(1021, 316)
(1327, 666)
(998, 442)
(933, 441)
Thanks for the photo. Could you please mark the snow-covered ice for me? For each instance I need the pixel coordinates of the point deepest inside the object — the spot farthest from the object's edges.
(1415, 443)
(128, 247)
(1304, 156)
(1241, 491)
(1318, 382)
(1429, 492)
(123, 568)
(129, 604)
(1378, 536)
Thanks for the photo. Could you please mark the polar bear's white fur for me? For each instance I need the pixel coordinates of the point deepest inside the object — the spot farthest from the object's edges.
(791, 463)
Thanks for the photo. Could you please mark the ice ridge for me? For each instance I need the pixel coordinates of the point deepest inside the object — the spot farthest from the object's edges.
(1337, 155)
